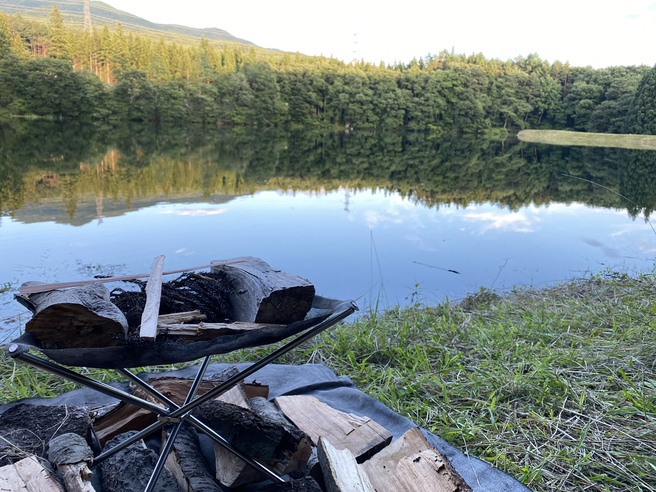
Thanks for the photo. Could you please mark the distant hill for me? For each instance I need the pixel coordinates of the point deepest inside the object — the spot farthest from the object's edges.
(103, 14)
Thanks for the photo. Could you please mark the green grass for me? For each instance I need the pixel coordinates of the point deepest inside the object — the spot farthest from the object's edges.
(557, 387)
(562, 137)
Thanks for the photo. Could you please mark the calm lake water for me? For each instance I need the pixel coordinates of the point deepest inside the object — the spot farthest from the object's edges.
(385, 220)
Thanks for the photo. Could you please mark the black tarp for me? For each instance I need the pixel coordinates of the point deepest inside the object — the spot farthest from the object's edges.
(338, 392)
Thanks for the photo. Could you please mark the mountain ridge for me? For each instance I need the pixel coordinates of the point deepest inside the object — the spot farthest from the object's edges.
(103, 14)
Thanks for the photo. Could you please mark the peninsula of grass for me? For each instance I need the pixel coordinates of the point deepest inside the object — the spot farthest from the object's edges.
(557, 386)
(585, 139)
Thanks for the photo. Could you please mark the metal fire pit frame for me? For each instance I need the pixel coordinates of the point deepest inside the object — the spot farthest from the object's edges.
(174, 414)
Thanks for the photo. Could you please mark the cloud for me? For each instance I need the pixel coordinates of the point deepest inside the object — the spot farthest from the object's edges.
(514, 222)
(199, 212)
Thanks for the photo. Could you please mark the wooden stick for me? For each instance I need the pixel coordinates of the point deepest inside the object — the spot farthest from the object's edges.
(33, 289)
(148, 330)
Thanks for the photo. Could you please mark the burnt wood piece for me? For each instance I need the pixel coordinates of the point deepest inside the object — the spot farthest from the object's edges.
(148, 328)
(283, 449)
(72, 456)
(361, 435)
(232, 471)
(261, 294)
(29, 475)
(409, 464)
(187, 463)
(341, 473)
(26, 429)
(76, 318)
(131, 468)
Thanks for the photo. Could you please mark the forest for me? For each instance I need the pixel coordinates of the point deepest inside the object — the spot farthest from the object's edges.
(48, 70)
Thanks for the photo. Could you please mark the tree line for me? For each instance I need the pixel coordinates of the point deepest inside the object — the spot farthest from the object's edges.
(48, 70)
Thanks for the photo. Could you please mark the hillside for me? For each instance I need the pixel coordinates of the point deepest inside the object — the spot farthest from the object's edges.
(103, 14)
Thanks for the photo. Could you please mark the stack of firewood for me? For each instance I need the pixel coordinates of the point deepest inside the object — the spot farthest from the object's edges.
(83, 314)
(317, 447)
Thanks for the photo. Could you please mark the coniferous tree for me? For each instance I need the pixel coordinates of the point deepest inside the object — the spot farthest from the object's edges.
(641, 117)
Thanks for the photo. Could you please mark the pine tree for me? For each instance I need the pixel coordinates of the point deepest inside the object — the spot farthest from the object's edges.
(60, 45)
(5, 37)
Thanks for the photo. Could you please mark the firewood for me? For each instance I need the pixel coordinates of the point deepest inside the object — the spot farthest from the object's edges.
(360, 435)
(76, 318)
(175, 318)
(28, 475)
(285, 449)
(72, 456)
(26, 429)
(148, 329)
(261, 294)
(341, 472)
(410, 464)
(209, 331)
(125, 417)
(131, 468)
(232, 471)
(187, 464)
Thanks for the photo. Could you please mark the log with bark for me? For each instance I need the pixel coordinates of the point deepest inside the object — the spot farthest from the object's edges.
(72, 457)
(76, 318)
(26, 429)
(282, 448)
(131, 468)
(261, 294)
(187, 463)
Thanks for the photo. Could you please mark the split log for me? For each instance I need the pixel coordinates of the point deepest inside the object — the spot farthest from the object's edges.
(176, 318)
(362, 436)
(411, 464)
(26, 429)
(341, 472)
(187, 463)
(261, 294)
(72, 456)
(285, 449)
(210, 331)
(131, 468)
(148, 329)
(232, 471)
(79, 317)
(28, 475)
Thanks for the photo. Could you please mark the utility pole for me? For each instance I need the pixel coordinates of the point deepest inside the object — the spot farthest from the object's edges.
(87, 17)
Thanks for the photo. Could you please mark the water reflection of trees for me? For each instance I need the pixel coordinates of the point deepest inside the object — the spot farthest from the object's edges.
(68, 164)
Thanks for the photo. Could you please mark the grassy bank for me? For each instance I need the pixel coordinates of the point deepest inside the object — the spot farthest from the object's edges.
(557, 387)
(561, 137)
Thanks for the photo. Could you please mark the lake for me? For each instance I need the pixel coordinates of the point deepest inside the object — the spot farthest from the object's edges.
(387, 220)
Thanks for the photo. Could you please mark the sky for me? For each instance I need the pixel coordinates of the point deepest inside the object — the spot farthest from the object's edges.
(583, 32)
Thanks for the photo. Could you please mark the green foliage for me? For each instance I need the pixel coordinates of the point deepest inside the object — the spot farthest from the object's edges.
(642, 112)
(147, 80)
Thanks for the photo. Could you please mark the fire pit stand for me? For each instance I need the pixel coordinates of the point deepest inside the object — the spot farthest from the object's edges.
(175, 415)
